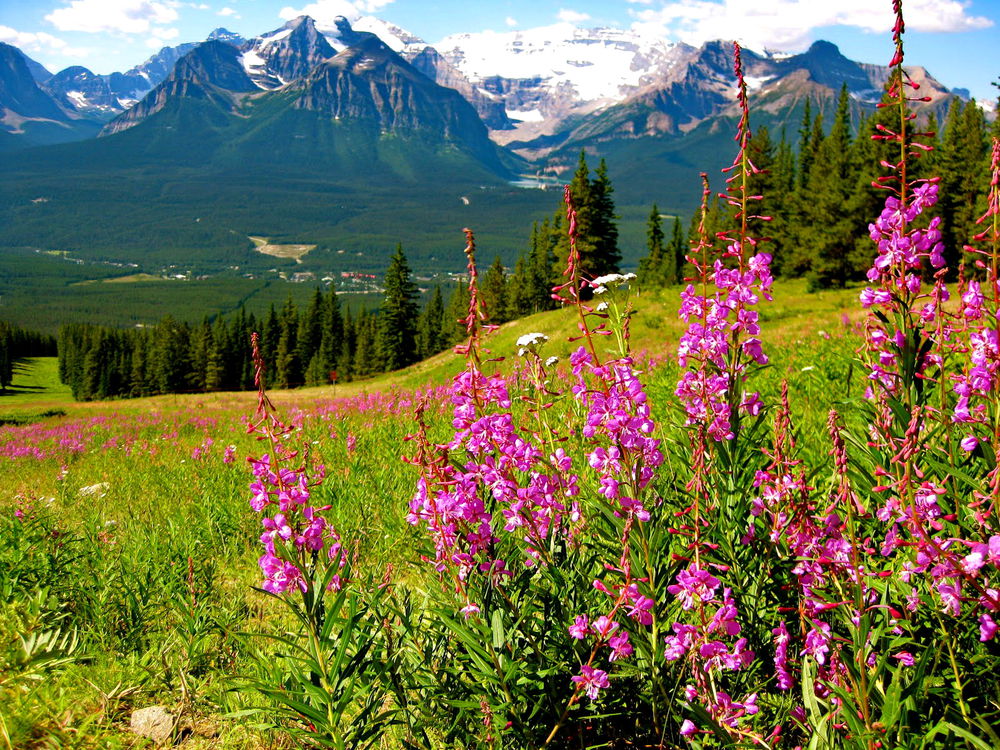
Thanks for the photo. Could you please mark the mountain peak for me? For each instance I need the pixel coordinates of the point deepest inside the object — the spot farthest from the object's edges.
(823, 48)
(225, 35)
(298, 21)
(286, 54)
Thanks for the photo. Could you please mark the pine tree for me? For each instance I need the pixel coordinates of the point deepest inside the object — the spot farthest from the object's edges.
(596, 227)
(288, 371)
(269, 345)
(169, 360)
(7, 355)
(458, 309)
(332, 339)
(345, 360)
(200, 346)
(963, 163)
(543, 269)
(430, 332)
(827, 230)
(366, 354)
(653, 268)
(607, 257)
(215, 359)
(310, 337)
(397, 329)
(494, 292)
(761, 182)
(519, 301)
(780, 197)
(678, 250)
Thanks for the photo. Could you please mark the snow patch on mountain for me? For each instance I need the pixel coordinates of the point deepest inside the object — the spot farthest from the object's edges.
(527, 115)
(595, 63)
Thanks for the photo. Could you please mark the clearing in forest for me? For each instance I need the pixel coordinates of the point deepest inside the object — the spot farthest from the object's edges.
(281, 251)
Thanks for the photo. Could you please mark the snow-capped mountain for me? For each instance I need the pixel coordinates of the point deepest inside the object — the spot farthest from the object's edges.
(536, 90)
(106, 95)
(316, 98)
(286, 54)
(546, 74)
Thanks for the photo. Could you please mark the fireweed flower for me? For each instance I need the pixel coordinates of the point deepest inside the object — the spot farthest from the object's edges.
(297, 533)
(591, 680)
(503, 480)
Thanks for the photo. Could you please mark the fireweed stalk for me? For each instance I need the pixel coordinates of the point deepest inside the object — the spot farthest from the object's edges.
(716, 350)
(902, 350)
(298, 541)
(500, 486)
(977, 407)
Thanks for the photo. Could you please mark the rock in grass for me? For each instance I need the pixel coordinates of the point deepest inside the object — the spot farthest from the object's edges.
(154, 722)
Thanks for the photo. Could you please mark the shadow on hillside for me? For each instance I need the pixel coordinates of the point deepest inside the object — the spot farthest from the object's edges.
(21, 368)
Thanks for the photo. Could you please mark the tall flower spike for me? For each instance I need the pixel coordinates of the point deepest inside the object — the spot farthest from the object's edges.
(722, 337)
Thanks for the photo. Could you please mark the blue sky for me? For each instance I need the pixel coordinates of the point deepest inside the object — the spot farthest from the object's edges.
(958, 41)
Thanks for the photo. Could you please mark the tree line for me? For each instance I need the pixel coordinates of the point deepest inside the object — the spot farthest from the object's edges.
(322, 343)
(817, 193)
(820, 192)
(18, 343)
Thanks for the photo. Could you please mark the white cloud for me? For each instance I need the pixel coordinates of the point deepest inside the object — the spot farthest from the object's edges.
(102, 16)
(510, 21)
(571, 16)
(162, 38)
(50, 50)
(788, 24)
(228, 12)
(27, 40)
(324, 11)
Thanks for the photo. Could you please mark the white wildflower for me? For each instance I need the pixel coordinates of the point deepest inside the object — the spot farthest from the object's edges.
(100, 489)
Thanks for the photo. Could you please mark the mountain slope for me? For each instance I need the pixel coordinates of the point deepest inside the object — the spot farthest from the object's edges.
(286, 54)
(28, 115)
(212, 72)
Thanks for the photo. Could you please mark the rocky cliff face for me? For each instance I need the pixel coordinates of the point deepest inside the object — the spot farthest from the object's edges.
(491, 108)
(286, 54)
(212, 72)
(77, 88)
(369, 84)
(20, 96)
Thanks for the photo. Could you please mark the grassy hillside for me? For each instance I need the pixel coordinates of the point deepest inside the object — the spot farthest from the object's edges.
(793, 317)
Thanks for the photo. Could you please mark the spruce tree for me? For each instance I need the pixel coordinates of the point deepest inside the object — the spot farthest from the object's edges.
(269, 345)
(652, 269)
(397, 327)
(596, 224)
(332, 339)
(493, 288)
(607, 258)
(828, 232)
(779, 202)
(544, 270)
(288, 371)
(345, 360)
(678, 250)
(431, 328)
(367, 360)
(519, 300)
(457, 310)
(310, 336)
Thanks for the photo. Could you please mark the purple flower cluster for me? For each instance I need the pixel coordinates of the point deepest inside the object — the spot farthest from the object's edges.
(722, 338)
(708, 646)
(297, 539)
(902, 252)
(498, 483)
(296, 533)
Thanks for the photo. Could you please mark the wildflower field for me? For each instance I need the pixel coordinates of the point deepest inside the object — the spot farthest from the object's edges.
(744, 517)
